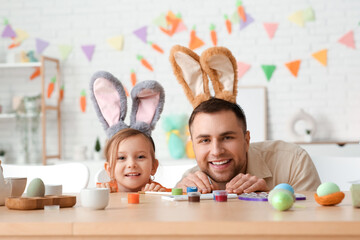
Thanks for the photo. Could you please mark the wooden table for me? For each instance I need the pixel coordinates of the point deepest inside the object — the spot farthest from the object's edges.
(154, 218)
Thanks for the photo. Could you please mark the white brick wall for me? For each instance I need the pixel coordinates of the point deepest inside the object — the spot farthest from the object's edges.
(330, 94)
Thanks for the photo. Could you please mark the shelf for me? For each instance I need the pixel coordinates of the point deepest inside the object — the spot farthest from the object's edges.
(339, 143)
(13, 115)
(20, 65)
(7, 115)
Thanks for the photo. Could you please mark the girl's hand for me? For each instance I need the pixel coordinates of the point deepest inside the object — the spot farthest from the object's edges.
(153, 187)
(106, 185)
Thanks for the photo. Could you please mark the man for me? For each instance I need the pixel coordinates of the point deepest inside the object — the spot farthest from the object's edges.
(227, 160)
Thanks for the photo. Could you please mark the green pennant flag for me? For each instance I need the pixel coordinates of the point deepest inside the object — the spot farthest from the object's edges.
(268, 70)
(309, 15)
(65, 50)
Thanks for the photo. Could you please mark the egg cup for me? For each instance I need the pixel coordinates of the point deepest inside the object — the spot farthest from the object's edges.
(330, 199)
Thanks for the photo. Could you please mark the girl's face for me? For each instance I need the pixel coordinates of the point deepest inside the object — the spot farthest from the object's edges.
(134, 163)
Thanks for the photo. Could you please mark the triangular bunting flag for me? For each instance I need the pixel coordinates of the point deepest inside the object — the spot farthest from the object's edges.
(141, 33)
(293, 67)
(297, 18)
(348, 40)
(271, 29)
(195, 41)
(321, 56)
(309, 15)
(116, 42)
(170, 17)
(8, 32)
(21, 35)
(249, 20)
(65, 50)
(235, 18)
(160, 21)
(268, 70)
(41, 45)
(89, 51)
(242, 68)
(181, 27)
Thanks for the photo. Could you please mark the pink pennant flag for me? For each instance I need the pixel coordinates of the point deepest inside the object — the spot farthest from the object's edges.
(271, 29)
(8, 32)
(89, 51)
(181, 27)
(348, 40)
(141, 33)
(41, 45)
(242, 68)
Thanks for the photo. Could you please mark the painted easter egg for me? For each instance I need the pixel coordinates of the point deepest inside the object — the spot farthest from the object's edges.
(282, 200)
(36, 188)
(327, 188)
(285, 186)
(328, 194)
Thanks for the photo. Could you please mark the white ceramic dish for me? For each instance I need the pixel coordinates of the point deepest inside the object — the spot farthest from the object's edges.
(95, 198)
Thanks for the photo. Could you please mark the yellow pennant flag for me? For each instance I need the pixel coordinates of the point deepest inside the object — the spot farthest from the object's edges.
(293, 67)
(321, 56)
(116, 42)
(297, 18)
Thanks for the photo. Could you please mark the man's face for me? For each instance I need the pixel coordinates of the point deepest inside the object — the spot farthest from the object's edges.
(220, 145)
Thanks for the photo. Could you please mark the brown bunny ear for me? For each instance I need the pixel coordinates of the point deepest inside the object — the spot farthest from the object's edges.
(188, 71)
(220, 65)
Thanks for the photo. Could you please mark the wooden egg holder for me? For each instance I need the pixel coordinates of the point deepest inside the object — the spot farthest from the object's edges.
(32, 203)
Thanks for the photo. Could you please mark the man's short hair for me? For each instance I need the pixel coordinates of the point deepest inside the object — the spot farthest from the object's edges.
(214, 105)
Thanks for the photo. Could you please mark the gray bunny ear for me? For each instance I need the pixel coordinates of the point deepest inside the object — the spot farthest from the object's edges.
(148, 102)
(109, 100)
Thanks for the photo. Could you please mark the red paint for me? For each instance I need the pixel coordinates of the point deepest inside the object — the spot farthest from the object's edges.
(221, 198)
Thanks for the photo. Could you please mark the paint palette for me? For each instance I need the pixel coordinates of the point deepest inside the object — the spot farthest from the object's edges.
(206, 196)
(32, 203)
(263, 196)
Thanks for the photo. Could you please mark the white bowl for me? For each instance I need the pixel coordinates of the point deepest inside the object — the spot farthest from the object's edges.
(95, 198)
(18, 185)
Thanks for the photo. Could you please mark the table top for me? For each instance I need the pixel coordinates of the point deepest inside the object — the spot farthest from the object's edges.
(159, 218)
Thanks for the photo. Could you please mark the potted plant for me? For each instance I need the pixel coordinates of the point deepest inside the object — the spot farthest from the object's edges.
(2, 156)
(308, 136)
(97, 149)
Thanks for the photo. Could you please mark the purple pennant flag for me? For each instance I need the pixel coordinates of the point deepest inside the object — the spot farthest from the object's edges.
(249, 20)
(8, 32)
(141, 33)
(89, 51)
(41, 45)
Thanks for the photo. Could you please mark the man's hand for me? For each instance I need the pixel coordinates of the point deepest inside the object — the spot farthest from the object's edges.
(198, 179)
(246, 183)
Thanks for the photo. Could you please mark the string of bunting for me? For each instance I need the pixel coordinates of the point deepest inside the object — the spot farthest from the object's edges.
(171, 24)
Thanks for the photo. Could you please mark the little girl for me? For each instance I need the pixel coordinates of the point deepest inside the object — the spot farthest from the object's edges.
(130, 150)
(131, 162)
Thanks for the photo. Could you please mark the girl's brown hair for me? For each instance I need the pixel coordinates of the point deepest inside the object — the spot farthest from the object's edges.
(112, 146)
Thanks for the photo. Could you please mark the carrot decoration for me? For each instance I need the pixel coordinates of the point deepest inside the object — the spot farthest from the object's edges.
(51, 87)
(83, 100)
(133, 77)
(195, 42)
(213, 34)
(228, 24)
(61, 92)
(14, 44)
(144, 62)
(241, 10)
(36, 73)
(156, 47)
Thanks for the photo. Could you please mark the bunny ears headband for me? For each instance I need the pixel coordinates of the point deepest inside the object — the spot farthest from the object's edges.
(192, 73)
(110, 103)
